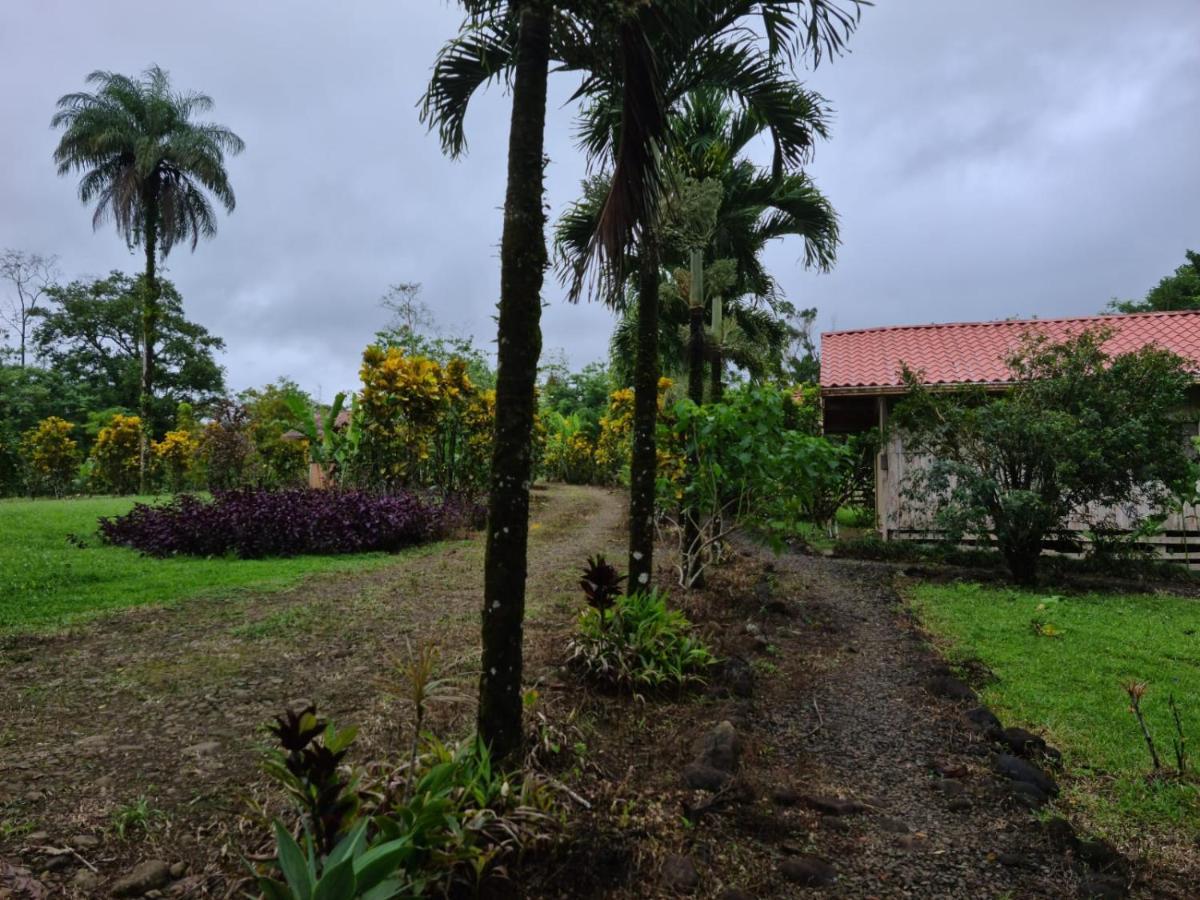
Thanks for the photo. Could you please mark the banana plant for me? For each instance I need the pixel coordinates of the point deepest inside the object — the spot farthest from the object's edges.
(328, 446)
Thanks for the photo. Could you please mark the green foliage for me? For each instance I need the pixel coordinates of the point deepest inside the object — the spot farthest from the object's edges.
(755, 465)
(29, 395)
(1080, 432)
(641, 644)
(90, 336)
(1179, 290)
(279, 462)
(146, 163)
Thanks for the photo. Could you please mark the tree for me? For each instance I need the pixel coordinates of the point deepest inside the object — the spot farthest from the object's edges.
(90, 332)
(1080, 432)
(30, 275)
(148, 165)
(1179, 290)
(609, 42)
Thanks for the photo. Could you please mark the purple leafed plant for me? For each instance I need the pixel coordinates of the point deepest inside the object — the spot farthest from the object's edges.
(253, 523)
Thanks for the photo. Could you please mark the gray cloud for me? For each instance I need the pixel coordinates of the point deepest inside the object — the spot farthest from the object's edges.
(987, 161)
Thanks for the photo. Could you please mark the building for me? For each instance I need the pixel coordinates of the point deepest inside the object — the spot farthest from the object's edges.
(861, 383)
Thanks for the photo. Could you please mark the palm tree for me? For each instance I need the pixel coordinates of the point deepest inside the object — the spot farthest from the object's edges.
(610, 43)
(150, 168)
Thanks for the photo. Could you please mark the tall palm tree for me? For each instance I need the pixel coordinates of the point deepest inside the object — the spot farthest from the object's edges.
(609, 43)
(150, 167)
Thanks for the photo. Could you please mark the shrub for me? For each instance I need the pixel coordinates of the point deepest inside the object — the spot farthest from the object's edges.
(1080, 431)
(115, 454)
(176, 455)
(226, 447)
(639, 644)
(51, 457)
(252, 523)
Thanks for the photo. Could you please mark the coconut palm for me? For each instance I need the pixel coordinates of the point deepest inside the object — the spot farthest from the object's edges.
(621, 44)
(150, 167)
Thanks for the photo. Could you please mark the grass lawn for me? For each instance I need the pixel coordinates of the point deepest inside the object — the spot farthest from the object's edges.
(47, 581)
(1067, 683)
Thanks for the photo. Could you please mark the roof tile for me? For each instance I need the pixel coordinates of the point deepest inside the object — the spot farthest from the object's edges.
(974, 352)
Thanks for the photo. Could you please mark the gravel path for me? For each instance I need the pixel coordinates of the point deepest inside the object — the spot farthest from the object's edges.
(939, 824)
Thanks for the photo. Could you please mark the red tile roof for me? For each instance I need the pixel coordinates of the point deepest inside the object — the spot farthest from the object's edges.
(974, 352)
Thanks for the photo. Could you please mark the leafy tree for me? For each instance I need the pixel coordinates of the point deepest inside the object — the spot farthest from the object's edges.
(90, 333)
(753, 463)
(414, 329)
(29, 276)
(1078, 433)
(280, 462)
(150, 166)
(1179, 290)
(584, 393)
(226, 450)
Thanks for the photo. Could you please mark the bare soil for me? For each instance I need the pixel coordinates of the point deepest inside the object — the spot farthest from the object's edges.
(166, 705)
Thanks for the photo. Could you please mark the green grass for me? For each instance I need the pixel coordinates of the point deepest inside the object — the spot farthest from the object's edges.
(1067, 682)
(47, 581)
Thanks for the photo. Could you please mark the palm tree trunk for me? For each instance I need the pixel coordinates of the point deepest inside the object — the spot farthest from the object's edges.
(150, 291)
(690, 563)
(644, 461)
(522, 266)
(718, 362)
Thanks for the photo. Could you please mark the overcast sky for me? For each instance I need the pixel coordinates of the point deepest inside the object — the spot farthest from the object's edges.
(988, 160)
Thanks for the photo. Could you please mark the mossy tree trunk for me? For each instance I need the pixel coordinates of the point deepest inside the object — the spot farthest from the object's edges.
(522, 268)
(644, 461)
(149, 308)
(690, 564)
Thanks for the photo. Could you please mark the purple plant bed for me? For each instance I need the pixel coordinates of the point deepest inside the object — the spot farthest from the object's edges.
(253, 523)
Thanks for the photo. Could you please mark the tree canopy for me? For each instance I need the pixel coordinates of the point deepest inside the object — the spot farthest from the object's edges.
(1179, 290)
(90, 334)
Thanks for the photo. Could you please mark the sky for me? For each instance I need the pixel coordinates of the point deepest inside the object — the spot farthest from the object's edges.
(987, 160)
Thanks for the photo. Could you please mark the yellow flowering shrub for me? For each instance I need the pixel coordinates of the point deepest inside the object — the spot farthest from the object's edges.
(615, 443)
(176, 456)
(115, 454)
(399, 405)
(50, 455)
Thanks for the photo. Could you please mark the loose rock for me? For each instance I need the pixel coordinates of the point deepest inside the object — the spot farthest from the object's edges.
(811, 871)
(148, 876)
(952, 689)
(720, 748)
(679, 874)
(983, 718)
(834, 806)
(1017, 769)
(700, 777)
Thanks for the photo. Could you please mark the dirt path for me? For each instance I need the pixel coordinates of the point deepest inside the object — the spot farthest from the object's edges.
(154, 716)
